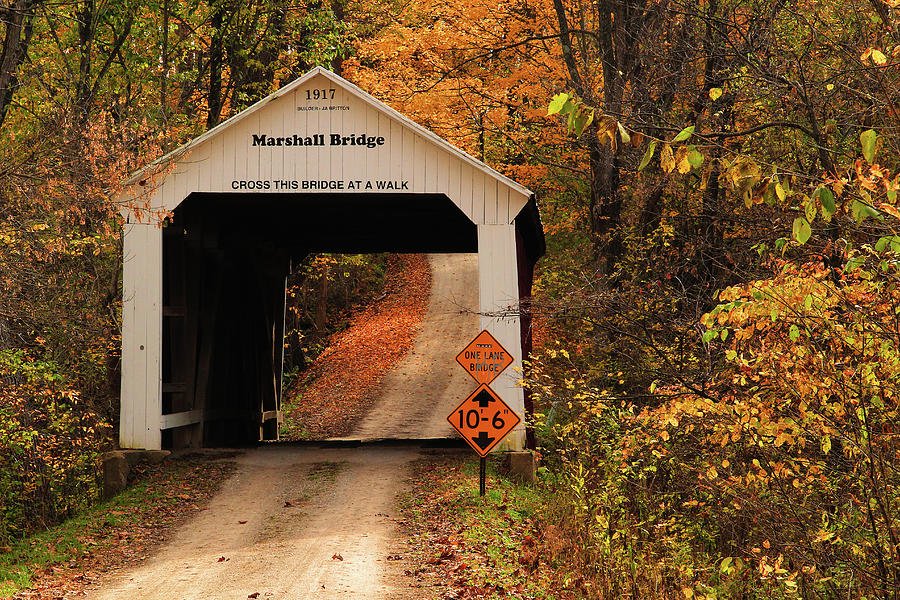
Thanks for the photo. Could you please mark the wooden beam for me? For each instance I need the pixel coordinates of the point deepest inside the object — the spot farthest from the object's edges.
(272, 415)
(181, 419)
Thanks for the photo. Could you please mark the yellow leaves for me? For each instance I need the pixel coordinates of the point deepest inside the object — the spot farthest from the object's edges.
(889, 209)
(878, 57)
(823, 535)
(681, 158)
(667, 158)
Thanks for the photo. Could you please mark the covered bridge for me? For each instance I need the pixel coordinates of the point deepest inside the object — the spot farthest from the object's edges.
(319, 166)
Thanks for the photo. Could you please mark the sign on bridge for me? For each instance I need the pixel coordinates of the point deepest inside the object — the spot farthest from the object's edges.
(483, 420)
(484, 358)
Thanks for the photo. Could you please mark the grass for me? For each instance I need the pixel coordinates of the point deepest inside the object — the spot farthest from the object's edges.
(326, 472)
(138, 511)
(480, 543)
(66, 542)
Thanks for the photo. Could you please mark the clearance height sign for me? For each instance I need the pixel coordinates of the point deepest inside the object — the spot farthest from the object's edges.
(484, 419)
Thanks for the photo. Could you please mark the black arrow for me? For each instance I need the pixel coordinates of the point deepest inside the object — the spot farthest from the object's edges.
(483, 399)
(483, 440)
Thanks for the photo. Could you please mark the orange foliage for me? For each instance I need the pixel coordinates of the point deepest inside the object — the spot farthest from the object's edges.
(343, 382)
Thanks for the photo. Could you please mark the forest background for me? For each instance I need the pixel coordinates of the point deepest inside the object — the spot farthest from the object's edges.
(718, 314)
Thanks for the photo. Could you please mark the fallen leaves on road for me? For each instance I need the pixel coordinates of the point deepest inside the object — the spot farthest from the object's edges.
(115, 536)
(342, 384)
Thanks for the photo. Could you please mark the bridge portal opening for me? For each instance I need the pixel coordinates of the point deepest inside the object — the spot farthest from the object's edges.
(225, 261)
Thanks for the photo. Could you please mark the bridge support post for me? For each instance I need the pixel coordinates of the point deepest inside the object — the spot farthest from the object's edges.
(141, 409)
(499, 307)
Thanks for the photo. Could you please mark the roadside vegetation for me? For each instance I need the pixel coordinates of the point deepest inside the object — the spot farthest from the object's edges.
(716, 367)
(67, 558)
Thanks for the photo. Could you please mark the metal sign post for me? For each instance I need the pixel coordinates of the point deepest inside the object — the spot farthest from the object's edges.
(482, 475)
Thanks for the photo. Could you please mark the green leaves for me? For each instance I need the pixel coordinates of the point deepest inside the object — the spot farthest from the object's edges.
(889, 240)
(861, 211)
(684, 134)
(648, 156)
(626, 137)
(695, 158)
(557, 103)
(868, 139)
(826, 198)
(579, 115)
(854, 263)
(802, 230)
(579, 120)
(780, 191)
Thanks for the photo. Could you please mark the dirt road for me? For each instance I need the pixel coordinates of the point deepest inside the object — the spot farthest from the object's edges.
(300, 522)
(293, 522)
(422, 390)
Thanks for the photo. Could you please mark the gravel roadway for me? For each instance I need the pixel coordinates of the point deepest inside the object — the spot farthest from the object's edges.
(302, 521)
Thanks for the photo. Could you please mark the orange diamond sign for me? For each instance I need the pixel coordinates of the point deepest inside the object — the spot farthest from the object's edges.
(483, 419)
(484, 358)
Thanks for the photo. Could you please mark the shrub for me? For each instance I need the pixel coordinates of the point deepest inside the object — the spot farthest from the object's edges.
(49, 447)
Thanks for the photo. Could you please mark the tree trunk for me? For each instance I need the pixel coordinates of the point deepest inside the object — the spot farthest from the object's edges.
(18, 19)
(216, 63)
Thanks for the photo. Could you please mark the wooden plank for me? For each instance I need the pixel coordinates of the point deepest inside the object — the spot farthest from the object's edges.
(173, 311)
(134, 372)
(141, 337)
(430, 166)
(154, 322)
(503, 208)
(272, 415)
(489, 199)
(478, 207)
(465, 192)
(180, 419)
(454, 173)
(259, 164)
(398, 150)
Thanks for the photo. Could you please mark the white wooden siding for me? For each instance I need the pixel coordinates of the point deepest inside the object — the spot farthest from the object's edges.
(225, 154)
(141, 404)
(498, 286)
(429, 165)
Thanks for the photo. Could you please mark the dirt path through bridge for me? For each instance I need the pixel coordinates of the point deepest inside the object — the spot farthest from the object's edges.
(294, 522)
(422, 389)
(300, 522)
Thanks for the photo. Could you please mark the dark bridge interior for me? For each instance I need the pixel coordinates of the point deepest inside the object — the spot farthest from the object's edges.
(225, 259)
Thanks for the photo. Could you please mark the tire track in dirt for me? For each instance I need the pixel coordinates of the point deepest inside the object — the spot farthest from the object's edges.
(293, 522)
